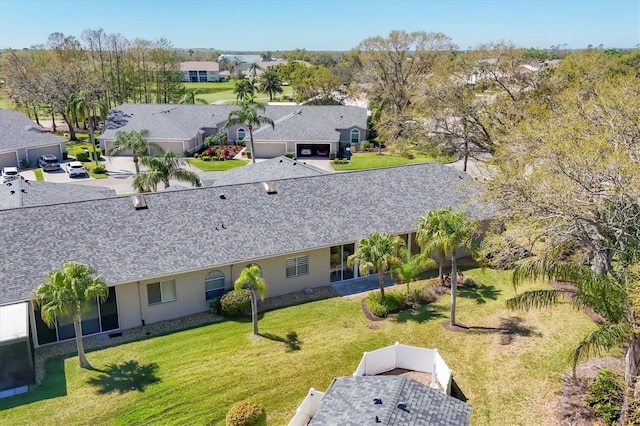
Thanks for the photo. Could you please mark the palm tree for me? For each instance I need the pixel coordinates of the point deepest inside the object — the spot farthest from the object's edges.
(88, 106)
(413, 266)
(189, 97)
(67, 292)
(253, 70)
(427, 227)
(269, 83)
(244, 89)
(249, 115)
(616, 297)
(377, 252)
(251, 277)
(165, 167)
(442, 231)
(136, 142)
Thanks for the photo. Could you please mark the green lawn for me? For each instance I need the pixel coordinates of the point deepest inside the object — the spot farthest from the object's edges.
(371, 160)
(229, 96)
(216, 166)
(39, 175)
(192, 377)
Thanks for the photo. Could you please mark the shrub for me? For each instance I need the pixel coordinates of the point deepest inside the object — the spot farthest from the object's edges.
(25, 163)
(332, 156)
(246, 413)
(288, 154)
(340, 161)
(209, 152)
(606, 395)
(235, 303)
(248, 154)
(365, 145)
(205, 158)
(99, 169)
(392, 302)
(215, 307)
(82, 156)
(419, 296)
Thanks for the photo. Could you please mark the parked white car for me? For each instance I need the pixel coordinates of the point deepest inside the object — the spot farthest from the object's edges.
(9, 173)
(75, 168)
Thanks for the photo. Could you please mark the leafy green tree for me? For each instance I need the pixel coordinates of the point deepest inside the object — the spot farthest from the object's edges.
(251, 277)
(441, 232)
(269, 83)
(89, 106)
(249, 115)
(615, 297)
(68, 292)
(244, 89)
(135, 141)
(412, 267)
(165, 167)
(190, 97)
(379, 253)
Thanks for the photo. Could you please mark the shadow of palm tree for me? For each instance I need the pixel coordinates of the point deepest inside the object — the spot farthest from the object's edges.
(125, 377)
(291, 340)
(479, 293)
(422, 314)
(509, 328)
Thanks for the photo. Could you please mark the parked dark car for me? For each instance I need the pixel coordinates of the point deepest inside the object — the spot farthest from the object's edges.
(48, 163)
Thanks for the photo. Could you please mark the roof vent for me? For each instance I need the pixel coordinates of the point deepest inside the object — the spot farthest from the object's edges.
(377, 401)
(403, 406)
(223, 197)
(268, 186)
(139, 202)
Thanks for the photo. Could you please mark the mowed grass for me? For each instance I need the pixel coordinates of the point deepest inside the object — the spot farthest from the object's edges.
(371, 160)
(214, 92)
(510, 374)
(216, 166)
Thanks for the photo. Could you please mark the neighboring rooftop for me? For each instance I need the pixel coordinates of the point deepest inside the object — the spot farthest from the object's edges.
(27, 193)
(349, 401)
(273, 169)
(182, 231)
(17, 131)
(199, 66)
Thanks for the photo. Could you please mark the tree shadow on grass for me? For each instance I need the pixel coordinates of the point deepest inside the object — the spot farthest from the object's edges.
(291, 340)
(509, 329)
(479, 293)
(125, 377)
(422, 314)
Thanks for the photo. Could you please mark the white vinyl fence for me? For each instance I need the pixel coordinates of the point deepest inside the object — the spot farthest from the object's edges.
(307, 409)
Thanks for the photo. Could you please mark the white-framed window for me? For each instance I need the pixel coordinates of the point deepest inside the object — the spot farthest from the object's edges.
(355, 136)
(162, 292)
(214, 285)
(297, 266)
(241, 133)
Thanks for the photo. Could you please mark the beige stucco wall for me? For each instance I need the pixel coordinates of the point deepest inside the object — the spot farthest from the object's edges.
(133, 306)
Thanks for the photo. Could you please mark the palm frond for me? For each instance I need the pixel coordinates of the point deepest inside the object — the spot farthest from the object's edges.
(535, 299)
(606, 337)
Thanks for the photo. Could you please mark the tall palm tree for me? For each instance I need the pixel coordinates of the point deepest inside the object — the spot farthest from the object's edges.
(251, 278)
(89, 106)
(68, 292)
(253, 70)
(615, 297)
(165, 167)
(269, 83)
(442, 231)
(244, 89)
(426, 229)
(249, 115)
(190, 97)
(378, 252)
(135, 141)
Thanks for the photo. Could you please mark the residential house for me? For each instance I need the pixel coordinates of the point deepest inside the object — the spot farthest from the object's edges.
(200, 71)
(21, 139)
(305, 130)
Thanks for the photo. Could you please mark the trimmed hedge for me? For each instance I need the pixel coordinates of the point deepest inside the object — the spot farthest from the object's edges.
(236, 303)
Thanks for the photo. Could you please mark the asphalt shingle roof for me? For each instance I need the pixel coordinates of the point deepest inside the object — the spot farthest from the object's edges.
(17, 131)
(269, 170)
(27, 193)
(183, 121)
(349, 401)
(177, 233)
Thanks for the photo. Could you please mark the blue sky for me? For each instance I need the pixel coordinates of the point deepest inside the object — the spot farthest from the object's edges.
(262, 25)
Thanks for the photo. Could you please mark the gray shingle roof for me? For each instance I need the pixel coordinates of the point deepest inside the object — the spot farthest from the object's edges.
(182, 122)
(27, 193)
(177, 232)
(269, 170)
(17, 131)
(349, 402)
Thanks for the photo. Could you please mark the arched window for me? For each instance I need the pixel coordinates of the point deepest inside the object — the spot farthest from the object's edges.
(241, 134)
(355, 136)
(214, 285)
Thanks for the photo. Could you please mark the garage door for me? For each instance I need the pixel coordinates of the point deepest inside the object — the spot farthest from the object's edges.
(34, 153)
(268, 150)
(8, 159)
